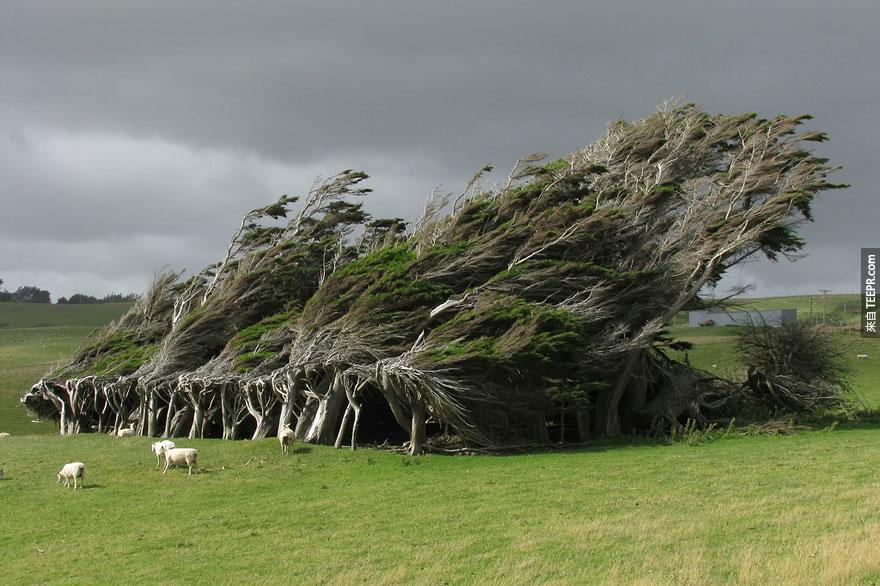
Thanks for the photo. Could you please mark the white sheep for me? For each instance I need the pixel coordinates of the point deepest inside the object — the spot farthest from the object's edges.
(127, 432)
(159, 447)
(859, 356)
(4, 434)
(72, 471)
(178, 456)
(285, 437)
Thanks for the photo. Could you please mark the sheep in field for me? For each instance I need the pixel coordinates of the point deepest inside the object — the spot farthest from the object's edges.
(285, 436)
(159, 447)
(127, 432)
(4, 434)
(72, 471)
(179, 456)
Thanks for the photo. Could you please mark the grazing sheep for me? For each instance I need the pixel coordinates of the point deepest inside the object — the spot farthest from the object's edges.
(159, 447)
(178, 456)
(285, 436)
(72, 471)
(861, 356)
(4, 434)
(127, 432)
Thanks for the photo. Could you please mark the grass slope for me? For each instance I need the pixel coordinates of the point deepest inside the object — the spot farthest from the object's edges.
(762, 510)
(34, 337)
(44, 315)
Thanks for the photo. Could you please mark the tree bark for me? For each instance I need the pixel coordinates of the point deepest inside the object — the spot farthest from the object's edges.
(354, 427)
(417, 432)
(152, 414)
(326, 416)
(181, 418)
(198, 422)
(582, 417)
(342, 427)
(607, 417)
(306, 417)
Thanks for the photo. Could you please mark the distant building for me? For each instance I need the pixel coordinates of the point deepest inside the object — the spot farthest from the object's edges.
(770, 317)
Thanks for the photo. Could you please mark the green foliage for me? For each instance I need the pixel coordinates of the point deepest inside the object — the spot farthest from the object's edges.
(557, 165)
(248, 338)
(348, 283)
(485, 347)
(261, 341)
(691, 434)
(250, 360)
(396, 292)
(123, 358)
(538, 340)
(391, 259)
(26, 294)
(120, 354)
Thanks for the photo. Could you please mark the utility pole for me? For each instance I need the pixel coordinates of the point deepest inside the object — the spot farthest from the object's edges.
(824, 293)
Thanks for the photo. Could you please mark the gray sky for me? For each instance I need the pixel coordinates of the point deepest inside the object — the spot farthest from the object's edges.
(134, 135)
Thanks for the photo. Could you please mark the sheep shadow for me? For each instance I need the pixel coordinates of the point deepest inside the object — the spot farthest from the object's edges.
(197, 472)
(301, 450)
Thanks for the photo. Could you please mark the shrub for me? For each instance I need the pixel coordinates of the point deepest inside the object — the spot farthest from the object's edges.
(794, 368)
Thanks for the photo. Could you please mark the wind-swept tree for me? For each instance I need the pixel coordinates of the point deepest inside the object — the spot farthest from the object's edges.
(535, 306)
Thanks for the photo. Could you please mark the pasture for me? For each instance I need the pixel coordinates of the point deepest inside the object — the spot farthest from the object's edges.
(33, 338)
(737, 507)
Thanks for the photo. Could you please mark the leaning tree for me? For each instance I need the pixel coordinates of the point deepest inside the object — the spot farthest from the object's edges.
(533, 310)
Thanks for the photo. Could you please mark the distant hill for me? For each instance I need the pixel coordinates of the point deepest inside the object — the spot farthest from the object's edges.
(42, 315)
(835, 305)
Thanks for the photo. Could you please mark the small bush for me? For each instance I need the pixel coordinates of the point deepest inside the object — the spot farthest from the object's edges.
(794, 369)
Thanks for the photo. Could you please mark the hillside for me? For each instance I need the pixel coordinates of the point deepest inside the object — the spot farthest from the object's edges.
(34, 338)
(44, 315)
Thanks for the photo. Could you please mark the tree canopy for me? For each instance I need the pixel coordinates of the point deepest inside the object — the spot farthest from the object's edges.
(504, 315)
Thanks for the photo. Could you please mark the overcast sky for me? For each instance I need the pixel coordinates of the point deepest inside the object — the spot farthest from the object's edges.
(134, 135)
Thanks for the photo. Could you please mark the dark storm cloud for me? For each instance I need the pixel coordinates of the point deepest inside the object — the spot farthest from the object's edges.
(161, 122)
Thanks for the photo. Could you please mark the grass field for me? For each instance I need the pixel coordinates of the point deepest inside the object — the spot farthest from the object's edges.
(738, 509)
(714, 347)
(44, 315)
(34, 337)
(802, 509)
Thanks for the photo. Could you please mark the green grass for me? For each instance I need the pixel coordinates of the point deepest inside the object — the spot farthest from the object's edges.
(714, 347)
(799, 509)
(44, 315)
(715, 352)
(33, 338)
(786, 509)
